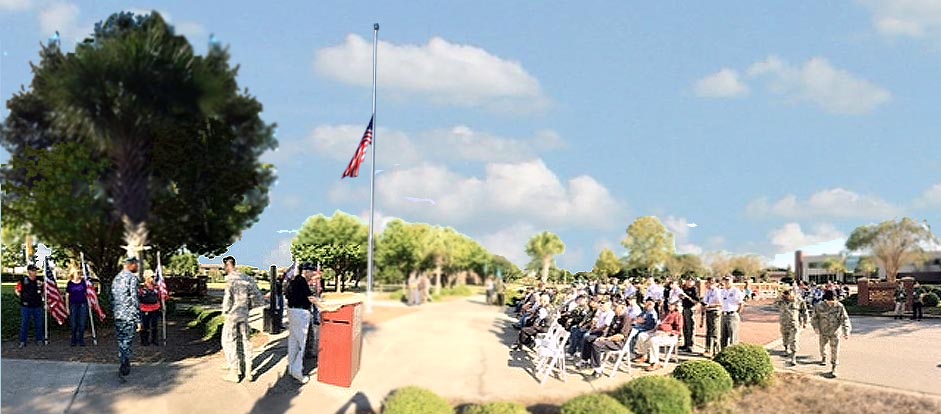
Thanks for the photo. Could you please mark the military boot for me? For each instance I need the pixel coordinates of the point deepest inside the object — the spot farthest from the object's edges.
(793, 360)
(833, 371)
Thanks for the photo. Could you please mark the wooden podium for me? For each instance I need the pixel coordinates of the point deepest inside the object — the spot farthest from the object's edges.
(341, 339)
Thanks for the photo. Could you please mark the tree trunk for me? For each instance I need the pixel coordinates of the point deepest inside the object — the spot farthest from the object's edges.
(438, 279)
(546, 261)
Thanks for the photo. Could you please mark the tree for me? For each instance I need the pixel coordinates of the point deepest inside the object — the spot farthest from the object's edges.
(398, 248)
(649, 244)
(720, 263)
(122, 129)
(543, 248)
(679, 265)
(835, 265)
(892, 243)
(749, 265)
(184, 264)
(338, 243)
(607, 264)
(437, 251)
(504, 266)
(866, 266)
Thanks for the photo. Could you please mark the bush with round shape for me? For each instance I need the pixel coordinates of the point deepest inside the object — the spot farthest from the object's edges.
(747, 364)
(707, 380)
(594, 404)
(496, 408)
(655, 395)
(930, 300)
(415, 400)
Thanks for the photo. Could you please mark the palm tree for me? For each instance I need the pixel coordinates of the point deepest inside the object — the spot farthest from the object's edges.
(132, 81)
(544, 247)
(836, 266)
(437, 251)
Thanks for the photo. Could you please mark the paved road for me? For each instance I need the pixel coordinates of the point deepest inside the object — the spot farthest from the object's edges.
(881, 351)
(458, 349)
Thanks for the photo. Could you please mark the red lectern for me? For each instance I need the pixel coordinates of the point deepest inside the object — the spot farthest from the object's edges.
(341, 344)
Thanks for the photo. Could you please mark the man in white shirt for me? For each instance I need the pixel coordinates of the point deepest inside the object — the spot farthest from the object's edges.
(655, 293)
(732, 299)
(711, 307)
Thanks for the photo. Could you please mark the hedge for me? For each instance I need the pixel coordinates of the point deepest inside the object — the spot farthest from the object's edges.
(747, 364)
(415, 400)
(707, 380)
(594, 404)
(496, 408)
(930, 300)
(655, 395)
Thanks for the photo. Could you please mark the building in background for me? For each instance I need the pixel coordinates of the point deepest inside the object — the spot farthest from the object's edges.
(814, 269)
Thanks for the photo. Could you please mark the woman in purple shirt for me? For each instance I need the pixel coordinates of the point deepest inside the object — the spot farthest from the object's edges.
(78, 306)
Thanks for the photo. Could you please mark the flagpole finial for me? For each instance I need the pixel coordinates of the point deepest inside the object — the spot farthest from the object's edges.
(375, 26)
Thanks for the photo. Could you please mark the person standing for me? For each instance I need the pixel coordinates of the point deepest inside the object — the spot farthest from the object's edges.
(732, 299)
(900, 298)
(792, 314)
(312, 349)
(424, 287)
(300, 299)
(918, 301)
(830, 319)
(149, 299)
(711, 306)
(488, 285)
(654, 293)
(29, 291)
(411, 289)
(76, 289)
(499, 290)
(690, 300)
(241, 295)
(126, 313)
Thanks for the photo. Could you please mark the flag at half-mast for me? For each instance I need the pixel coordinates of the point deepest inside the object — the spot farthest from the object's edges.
(352, 170)
(92, 293)
(53, 297)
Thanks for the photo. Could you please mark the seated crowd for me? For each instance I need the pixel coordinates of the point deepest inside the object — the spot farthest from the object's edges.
(602, 316)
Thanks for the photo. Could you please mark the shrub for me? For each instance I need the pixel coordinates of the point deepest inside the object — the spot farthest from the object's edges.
(497, 408)
(706, 380)
(462, 290)
(655, 395)
(213, 329)
(930, 300)
(594, 404)
(203, 316)
(747, 364)
(851, 300)
(415, 400)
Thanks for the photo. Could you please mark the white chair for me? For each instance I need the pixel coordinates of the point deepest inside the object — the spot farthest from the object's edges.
(552, 358)
(668, 341)
(543, 340)
(620, 356)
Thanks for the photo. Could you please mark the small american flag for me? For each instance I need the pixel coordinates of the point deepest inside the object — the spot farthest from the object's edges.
(352, 170)
(53, 297)
(162, 284)
(289, 274)
(91, 293)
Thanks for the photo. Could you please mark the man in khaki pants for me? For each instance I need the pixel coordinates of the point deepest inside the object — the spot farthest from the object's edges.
(830, 319)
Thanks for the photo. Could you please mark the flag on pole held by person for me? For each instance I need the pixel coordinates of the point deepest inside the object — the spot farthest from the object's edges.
(291, 272)
(91, 293)
(352, 170)
(162, 284)
(53, 297)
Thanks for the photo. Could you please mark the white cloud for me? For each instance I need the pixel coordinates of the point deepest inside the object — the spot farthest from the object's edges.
(15, 5)
(818, 82)
(510, 242)
(440, 71)
(791, 237)
(680, 228)
(930, 198)
(280, 255)
(906, 18)
(339, 142)
(832, 203)
(508, 192)
(193, 31)
(63, 18)
(722, 84)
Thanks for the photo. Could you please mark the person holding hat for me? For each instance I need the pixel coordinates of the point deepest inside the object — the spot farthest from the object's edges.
(241, 295)
(300, 299)
(29, 291)
(126, 313)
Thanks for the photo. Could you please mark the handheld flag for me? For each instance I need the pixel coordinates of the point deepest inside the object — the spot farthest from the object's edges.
(162, 284)
(54, 297)
(91, 293)
(352, 170)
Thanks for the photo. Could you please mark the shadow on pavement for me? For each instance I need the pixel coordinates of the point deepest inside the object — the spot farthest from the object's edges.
(273, 354)
(888, 326)
(360, 403)
(278, 398)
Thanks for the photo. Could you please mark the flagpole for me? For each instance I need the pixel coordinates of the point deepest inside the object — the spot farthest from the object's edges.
(163, 304)
(45, 301)
(94, 336)
(372, 176)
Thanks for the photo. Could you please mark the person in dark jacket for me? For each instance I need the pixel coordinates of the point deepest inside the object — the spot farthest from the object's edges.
(78, 306)
(29, 291)
(149, 299)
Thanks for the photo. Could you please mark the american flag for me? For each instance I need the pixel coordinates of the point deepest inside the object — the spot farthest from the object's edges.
(162, 284)
(352, 170)
(289, 274)
(91, 293)
(54, 297)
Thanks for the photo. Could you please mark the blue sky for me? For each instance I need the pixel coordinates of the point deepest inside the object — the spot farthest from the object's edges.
(770, 125)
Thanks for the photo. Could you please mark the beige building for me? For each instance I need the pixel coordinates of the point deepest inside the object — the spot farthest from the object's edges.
(812, 268)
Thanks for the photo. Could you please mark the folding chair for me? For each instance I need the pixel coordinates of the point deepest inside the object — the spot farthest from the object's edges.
(620, 356)
(669, 341)
(552, 358)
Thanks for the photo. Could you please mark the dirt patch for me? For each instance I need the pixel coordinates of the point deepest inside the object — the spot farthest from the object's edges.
(182, 343)
(793, 393)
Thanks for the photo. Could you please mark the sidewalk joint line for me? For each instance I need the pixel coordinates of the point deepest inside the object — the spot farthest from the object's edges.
(75, 394)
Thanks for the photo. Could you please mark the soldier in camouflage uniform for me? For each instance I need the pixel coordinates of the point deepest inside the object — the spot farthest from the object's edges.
(241, 294)
(126, 313)
(793, 314)
(829, 319)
